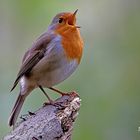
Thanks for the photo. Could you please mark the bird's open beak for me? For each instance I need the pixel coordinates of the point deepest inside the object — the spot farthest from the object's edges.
(75, 12)
(72, 18)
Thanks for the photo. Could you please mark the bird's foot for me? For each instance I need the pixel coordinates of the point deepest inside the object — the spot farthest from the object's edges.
(62, 104)
(53, 103)
(50, 102)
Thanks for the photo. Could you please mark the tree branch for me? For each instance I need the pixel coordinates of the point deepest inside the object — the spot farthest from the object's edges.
(49, 122)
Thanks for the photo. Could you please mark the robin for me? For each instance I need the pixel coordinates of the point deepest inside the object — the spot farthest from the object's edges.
(53, 57)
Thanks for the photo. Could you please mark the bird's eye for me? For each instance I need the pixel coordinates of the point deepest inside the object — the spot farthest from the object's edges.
(60, 20)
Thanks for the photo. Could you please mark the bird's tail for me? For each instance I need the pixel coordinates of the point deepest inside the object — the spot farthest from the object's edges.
(16, 110)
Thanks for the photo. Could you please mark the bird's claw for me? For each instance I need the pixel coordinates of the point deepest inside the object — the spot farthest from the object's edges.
(53, 103)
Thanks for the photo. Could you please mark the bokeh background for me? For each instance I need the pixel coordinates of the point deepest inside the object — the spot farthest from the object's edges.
(108, 79)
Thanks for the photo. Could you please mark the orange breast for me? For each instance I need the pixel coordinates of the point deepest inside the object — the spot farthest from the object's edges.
(72, 42)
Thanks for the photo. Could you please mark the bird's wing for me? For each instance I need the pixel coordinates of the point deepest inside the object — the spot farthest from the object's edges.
(33, 56)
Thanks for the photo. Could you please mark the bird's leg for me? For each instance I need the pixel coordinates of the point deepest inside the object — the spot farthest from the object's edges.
(58, 91)
(63, 93)
(50, 100)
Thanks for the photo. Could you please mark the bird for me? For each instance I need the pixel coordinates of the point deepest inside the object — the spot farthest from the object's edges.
(52, 58)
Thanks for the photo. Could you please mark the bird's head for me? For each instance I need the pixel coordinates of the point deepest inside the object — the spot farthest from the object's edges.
(64, 21)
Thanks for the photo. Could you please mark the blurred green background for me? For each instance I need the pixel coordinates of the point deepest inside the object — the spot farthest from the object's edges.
(108, 79)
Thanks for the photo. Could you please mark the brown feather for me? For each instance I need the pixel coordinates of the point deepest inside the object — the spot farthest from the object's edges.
(33, 56)
(16, 109)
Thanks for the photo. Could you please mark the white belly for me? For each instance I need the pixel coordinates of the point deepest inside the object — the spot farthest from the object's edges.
(54, 77)
(53, 68)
